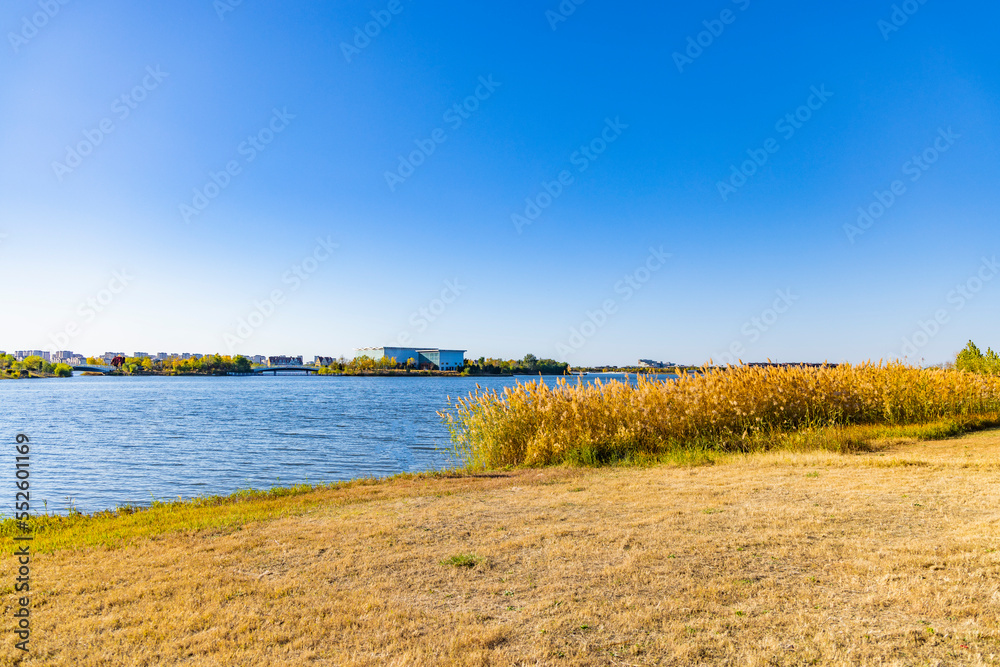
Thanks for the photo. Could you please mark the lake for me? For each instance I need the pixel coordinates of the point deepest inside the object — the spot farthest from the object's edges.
(101, 442)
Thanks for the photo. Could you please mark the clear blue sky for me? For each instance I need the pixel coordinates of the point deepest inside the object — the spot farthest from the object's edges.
(662, 131)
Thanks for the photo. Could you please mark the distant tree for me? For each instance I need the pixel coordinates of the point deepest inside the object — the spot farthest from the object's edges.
(34, 363)
(972, 360)
(63, 370)
(242, 364)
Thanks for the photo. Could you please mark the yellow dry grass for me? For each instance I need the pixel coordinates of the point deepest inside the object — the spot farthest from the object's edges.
(782, 558)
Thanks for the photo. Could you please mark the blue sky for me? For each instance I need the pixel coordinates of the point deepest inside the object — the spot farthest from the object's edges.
(119, 115)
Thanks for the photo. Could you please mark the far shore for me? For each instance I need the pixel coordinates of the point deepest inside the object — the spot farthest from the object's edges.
(399, 374)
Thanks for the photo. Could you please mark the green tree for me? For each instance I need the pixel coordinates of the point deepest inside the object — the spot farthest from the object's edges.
(33, 363)
(972, 360)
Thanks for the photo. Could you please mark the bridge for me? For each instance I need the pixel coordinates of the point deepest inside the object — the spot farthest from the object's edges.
(93, 368)
(295, 368)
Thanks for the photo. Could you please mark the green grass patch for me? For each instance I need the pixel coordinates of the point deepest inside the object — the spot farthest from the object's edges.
(124, 525)
(462, 560)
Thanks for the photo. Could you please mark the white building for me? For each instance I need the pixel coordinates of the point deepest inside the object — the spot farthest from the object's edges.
(423, 357)
(21, 355)
(281, 360)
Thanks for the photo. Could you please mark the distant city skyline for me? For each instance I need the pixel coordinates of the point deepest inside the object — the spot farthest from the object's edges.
(71, 356)
(592, 183)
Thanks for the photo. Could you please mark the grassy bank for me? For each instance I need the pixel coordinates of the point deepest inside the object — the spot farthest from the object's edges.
(737, 409)
(780, 558)
(126, 525)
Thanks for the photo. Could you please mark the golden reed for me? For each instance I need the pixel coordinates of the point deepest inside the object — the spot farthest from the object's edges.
(740, 408)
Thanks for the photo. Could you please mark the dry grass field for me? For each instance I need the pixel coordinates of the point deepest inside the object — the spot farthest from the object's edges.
(782, 558)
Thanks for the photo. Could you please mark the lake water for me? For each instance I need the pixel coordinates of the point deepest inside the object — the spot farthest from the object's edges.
(100, 442)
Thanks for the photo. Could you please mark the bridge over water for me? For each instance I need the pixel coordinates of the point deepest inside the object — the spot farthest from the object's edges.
(94, 368)
(260, 370)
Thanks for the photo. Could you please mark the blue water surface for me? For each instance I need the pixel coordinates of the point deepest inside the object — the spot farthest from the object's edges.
(100, 442)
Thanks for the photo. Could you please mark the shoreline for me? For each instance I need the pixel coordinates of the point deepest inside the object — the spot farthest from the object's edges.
(786, 557)
(287, 373)
(867, 440)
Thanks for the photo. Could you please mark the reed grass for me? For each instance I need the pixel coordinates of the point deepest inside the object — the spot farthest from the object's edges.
(736, 409)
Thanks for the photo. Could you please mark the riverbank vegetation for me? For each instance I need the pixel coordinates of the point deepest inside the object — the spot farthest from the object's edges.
(210, 364)
(217, 364)
(774, 558)
(737, 409)
(31, 367)
(529, 365)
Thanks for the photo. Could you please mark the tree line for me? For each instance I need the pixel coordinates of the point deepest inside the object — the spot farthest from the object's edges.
(32, 366)
(216, 364)
(530, 365)
(211, 364)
